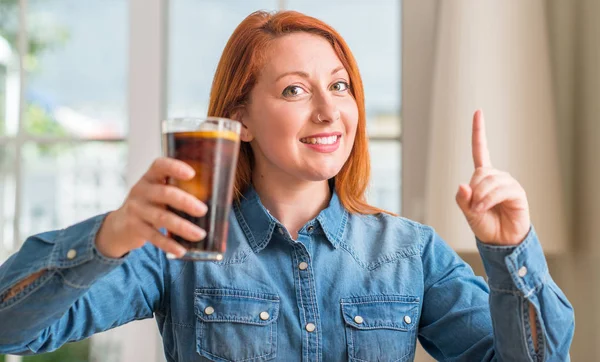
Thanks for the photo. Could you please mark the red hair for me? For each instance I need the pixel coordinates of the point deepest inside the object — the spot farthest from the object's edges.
(236, 75)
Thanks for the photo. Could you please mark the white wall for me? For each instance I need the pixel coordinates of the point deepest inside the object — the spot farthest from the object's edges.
(575, 31)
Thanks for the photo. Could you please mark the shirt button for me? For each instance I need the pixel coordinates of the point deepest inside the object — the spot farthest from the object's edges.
(358, 319)
(264, 316)
(522, 271)
(407, 319)
(280, 231)
(209, 310)
(310, 229)
(71, 254)
(310, 327)
(303, 265)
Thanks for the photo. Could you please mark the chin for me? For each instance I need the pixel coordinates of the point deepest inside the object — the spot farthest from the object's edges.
(321, 175)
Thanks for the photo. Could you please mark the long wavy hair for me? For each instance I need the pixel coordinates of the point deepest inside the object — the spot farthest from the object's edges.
(240, 64)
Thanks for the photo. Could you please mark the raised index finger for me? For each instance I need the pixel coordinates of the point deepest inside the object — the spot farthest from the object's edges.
(481, 154)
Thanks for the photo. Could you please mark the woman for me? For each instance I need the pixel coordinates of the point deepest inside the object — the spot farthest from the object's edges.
(312, 271)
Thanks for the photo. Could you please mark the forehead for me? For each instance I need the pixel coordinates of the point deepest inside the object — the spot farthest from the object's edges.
(300, 52)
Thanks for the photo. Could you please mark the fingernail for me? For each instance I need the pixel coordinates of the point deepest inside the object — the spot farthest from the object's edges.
(190, 172)
(181, 252)
(201, 208)
(199, 233)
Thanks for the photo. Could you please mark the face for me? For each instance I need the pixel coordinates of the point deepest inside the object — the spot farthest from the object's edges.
(301, 118)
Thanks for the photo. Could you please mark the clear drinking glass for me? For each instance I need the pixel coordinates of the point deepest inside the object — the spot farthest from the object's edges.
(211, 146)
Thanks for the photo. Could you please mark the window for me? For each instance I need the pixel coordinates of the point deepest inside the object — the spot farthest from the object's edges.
(63, 155)
(62, 119)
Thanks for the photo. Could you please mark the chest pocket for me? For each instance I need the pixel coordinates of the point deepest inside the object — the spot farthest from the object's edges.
(236, 325)
(381, 327)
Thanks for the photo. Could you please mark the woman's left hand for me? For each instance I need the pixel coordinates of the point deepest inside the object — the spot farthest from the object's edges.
(494, 203)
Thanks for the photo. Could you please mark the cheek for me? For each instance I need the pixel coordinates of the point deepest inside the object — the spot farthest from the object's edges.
(275, 133)
(278, 123)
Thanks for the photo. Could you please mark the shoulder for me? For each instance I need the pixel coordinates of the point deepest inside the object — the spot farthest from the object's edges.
(381, 236)
(390, 228)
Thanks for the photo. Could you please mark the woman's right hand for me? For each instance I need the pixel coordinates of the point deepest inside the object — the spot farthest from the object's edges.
(145, 211)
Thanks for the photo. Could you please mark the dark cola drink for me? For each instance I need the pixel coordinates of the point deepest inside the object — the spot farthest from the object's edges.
(213, 155)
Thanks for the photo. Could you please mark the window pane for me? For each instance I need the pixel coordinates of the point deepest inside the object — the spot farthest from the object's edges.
(198, 33)
(372, 30)
(385, 187)
(76, 68)
(9, 68)
(67, 183)
(7, 200)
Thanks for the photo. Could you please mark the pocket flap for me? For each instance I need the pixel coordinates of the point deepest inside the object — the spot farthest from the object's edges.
(236, 306)
(381, 312)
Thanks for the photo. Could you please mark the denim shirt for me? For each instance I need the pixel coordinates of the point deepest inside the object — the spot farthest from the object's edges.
(351, 287)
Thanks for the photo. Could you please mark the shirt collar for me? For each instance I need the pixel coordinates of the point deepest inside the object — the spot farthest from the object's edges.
(258, 224)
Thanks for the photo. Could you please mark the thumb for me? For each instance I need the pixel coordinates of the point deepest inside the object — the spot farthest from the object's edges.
(463, 198)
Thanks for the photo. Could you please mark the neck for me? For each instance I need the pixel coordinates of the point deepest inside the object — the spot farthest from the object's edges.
(293, 203)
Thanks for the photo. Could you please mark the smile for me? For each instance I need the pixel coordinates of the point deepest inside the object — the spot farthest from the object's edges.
(320, 140)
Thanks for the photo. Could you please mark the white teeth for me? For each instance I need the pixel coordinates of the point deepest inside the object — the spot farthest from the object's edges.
(320, 140)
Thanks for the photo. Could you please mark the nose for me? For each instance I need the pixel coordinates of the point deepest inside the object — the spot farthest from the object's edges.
(326, 113)
(327, 117)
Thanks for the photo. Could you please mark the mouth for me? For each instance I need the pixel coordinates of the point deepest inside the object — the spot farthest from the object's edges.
(321, 140)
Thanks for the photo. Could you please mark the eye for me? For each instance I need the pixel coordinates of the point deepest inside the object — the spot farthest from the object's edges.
(340, 86)
(292, 91)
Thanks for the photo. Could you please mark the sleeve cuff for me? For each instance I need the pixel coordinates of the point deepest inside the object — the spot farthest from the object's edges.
(75, 255)
(515, 268)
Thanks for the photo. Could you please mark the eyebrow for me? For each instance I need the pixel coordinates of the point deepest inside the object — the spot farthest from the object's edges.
(304, 74)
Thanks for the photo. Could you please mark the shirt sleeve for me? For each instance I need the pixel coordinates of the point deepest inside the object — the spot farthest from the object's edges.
(81, 292)
(465, 319)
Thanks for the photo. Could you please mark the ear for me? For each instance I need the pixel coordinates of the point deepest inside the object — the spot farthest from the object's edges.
(241, 115)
